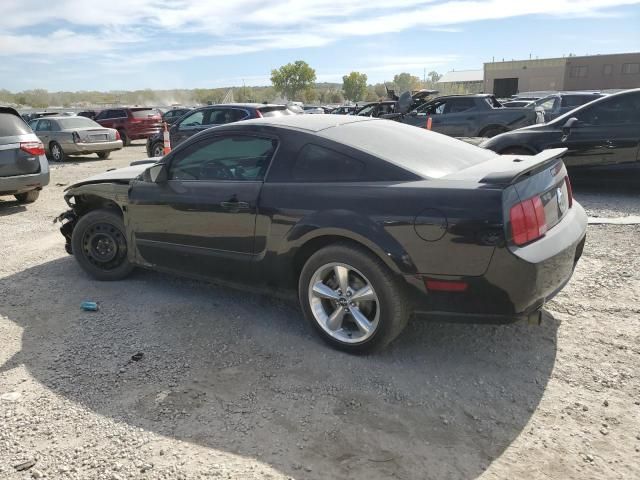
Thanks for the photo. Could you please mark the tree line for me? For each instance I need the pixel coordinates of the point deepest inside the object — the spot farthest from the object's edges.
(294, 81)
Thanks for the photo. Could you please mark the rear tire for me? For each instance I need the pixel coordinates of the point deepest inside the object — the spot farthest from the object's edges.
(352, 321)
(57, 154)
(99, 244)
(27, 197)
(104, 155)
(126, 141)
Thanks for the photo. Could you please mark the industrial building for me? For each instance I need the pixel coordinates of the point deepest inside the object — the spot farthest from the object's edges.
(592, 72)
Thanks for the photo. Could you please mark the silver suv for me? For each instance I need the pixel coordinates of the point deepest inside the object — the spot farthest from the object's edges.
(24, 169)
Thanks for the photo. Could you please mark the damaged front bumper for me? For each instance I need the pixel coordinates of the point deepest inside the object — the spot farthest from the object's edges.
(68, 222)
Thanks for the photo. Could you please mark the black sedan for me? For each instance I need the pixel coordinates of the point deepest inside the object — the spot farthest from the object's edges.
(602, 132)
(368, 220)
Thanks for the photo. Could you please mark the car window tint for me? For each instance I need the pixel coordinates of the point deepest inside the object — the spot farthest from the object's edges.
(194, 120)
(459, 105)
(44, 126)
(54, 126)
(233, 157)
(617, 111)
(119, 114)
(319, 164)
(143, 113)
(11, 125)
(549, 104)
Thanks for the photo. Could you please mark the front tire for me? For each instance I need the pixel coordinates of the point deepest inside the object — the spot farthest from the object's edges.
(27, 197)
(352, 299)
(157, 149)
(104, 155)
(57, 154)
(99, 245)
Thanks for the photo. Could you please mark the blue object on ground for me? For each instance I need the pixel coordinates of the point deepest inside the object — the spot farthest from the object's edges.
(89, 306)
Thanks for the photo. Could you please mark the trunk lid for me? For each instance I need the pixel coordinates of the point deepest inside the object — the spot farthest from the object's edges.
(536, 189)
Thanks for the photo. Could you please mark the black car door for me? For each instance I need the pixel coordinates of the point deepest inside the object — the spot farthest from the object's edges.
(606, 133)
(201, 220)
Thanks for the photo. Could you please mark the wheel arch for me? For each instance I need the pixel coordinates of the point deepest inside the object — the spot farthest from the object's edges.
(388, 250)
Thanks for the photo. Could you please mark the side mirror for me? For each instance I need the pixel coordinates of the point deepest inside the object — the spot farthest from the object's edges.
(566, 128)
(156, 173)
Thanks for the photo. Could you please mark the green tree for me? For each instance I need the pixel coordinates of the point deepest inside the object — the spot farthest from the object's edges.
(293, 78)
(372, 97)
(405, 82)
(434, 76)
(380, 90)
(354, 86)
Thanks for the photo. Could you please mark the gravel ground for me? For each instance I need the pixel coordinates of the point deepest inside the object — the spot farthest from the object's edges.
(234, 385)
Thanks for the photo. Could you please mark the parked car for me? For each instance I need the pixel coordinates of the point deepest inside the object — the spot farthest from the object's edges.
(312, 109)
(170, 116)
(206, 117)
(515, 103)
(132, 123)
(369, 220)
(24, 169)
(89, 114)
(65, 136)
(390, 109)
(479, 115)
(344, 110)
(27, 117)
(560, 103)
(377, 109)
(602, 132)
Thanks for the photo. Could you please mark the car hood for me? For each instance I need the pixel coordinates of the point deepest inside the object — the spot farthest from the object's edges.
(119, 175)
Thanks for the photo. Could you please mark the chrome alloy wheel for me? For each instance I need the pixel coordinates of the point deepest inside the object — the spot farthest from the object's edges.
(344, 303)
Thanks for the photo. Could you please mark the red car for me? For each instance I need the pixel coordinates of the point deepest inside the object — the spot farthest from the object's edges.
(132, 123)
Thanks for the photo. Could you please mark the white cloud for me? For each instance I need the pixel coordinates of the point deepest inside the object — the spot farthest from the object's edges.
(147, 31)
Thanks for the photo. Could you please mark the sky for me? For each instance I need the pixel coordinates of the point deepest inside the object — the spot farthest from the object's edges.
(76, 45)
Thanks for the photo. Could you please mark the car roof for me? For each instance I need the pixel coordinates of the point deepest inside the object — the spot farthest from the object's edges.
(310, 123)
(10, 110)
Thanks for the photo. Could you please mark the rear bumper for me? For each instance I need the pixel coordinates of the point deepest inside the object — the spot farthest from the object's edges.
(517, 282)
(145, 132)
(23, 183)
(81, 148)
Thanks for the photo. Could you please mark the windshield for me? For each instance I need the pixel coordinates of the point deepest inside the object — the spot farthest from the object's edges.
(425, 153)
(367, 109)
(77, 122)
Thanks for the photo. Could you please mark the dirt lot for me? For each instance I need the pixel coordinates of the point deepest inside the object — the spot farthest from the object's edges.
(234, 385)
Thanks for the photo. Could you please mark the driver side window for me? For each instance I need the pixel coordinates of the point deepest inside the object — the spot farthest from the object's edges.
(193, 120)
(232, 157)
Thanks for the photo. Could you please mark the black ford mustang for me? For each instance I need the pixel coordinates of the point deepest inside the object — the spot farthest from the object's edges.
(369, 220)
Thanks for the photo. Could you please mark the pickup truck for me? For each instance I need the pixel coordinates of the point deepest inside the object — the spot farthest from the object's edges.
(469, 116)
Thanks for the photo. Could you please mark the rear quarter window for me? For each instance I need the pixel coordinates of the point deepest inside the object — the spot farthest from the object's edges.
(11, 125)
(319, 164)
(144, 113)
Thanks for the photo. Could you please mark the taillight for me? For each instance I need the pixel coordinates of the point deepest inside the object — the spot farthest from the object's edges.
(528, 221)
(258, 114)
(76, 137)
(118, 135)
(32, 148)
(569, 190)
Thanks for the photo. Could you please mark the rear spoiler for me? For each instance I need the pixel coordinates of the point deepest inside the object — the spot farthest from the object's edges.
(513, 167)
